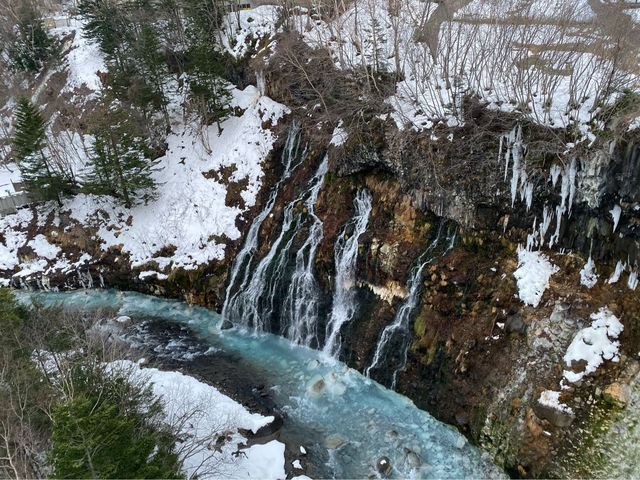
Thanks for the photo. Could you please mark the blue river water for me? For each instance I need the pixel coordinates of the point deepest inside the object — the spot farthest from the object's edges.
(357, 420)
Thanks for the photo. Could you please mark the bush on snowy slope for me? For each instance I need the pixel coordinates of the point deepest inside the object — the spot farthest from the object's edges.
(110, 427)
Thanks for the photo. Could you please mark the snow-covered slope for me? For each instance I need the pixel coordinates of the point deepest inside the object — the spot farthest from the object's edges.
(191, 211)
(545, 60)
(207, 180)
(204, 414)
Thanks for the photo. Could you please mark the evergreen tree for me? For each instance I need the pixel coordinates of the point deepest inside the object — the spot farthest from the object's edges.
(128, 36)
(152, 72)
(39, 175)
(205, 64)
(106, 22)
(207, 87)
(111, 428)
(33, 45)
(121, 162)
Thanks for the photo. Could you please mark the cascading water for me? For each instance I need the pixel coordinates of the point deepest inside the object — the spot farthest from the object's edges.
(300, 311)
(252, 305)
(393, 346)
(346, 254)
(292, 156)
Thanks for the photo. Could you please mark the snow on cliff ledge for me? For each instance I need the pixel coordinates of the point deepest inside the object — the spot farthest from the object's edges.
(594, 344)
(532, 275)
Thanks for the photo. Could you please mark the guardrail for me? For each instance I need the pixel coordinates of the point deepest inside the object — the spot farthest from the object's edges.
(11, 203)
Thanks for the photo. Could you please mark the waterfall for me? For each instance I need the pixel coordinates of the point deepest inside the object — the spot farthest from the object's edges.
(292, 156)
(346, 254)
(301, 304)
(253, 304)
(393, 345)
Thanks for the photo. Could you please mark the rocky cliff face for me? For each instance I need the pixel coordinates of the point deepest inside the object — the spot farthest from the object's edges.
(479, 358)
(471, 352)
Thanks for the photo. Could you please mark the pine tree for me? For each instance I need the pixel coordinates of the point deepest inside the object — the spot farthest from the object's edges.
(33, 45)
(152, 72)
(205, 64)
(111, 428)
(208, 89)
(106, 22)
(121, 163)
(39, 175)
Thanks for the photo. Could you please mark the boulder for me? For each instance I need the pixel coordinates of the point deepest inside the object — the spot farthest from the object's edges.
(555, 416)
(383, 465)
(618, 393)
(333, 442)
(515, 324)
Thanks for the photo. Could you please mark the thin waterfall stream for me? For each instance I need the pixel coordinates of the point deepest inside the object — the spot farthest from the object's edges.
(292, 156)
(300, 312)
(393, 345)
(346, 255)
(252, 305)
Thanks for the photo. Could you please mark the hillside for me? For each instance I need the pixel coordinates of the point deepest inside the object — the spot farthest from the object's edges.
(443, 195)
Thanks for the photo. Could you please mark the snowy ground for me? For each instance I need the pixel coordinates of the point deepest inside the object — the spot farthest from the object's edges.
(193, 216)
(204, 414)
(190, 209)
(594, 344)
(517, 56)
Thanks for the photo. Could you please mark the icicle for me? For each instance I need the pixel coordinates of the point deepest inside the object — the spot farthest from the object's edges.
(516, 153)
(615, 215)
(507, 155)
(555, 174)
(572, 183)
(547, 215)
(632, 283)
(556, 235)
(532, 238)
(528, 195)
(615, 276)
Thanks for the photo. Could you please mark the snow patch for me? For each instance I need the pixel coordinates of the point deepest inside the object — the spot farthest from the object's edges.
(211, 413)
(244, 30)
(550, 398)
(532, 275)
(43, 248)
(339, 136)
(152, 274)
(588, 276)
(594, 344)
(84, 61)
